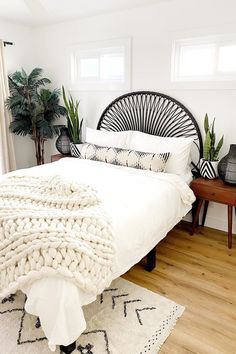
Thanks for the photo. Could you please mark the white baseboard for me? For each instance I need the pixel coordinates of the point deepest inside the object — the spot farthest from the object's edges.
(216, 222)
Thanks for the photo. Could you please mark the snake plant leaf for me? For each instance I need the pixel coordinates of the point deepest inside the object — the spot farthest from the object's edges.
(65, 98)
(206, 123)
(73, 120)
(218, 147)
(207, 146)
(212, 152)
(212, 135)
(80, 126)
(213, 127)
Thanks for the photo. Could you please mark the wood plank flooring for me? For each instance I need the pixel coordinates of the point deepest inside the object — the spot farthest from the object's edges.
(198, 272)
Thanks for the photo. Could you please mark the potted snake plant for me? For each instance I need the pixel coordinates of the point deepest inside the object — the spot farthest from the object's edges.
(74, 124)
(209, 162)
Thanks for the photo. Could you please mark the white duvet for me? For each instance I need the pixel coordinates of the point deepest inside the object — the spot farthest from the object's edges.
(143, 207)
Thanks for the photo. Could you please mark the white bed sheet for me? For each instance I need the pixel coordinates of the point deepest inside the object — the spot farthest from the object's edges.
(143, 206)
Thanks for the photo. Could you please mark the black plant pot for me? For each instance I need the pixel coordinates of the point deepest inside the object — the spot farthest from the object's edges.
(227, 166)
(63, 142)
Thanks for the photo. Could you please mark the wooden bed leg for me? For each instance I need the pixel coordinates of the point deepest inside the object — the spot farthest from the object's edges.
(68, 349)
(151, 260)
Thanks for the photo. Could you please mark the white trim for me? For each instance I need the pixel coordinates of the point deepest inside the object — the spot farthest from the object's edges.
(214, 222)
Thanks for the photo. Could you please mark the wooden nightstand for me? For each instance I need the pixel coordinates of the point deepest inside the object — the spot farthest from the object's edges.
(214, 190)
(58, 157)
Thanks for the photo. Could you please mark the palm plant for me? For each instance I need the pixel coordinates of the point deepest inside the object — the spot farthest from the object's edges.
(34, 109)
(211, 152)
(73, 121)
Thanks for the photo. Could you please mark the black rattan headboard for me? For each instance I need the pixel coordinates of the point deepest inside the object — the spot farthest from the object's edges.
(153, 113)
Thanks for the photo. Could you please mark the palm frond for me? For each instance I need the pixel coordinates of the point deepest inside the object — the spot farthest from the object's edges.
(42, 82)
(18, 78)
(35, 74)
(50, 101)
(20, 127)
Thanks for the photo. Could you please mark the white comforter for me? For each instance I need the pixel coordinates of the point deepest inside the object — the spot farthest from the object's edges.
(143, 206)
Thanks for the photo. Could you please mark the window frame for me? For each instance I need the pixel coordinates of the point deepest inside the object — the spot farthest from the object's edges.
(219, 41)
(96, 49)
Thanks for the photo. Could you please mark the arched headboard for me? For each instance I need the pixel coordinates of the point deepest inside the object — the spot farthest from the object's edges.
(153, 113)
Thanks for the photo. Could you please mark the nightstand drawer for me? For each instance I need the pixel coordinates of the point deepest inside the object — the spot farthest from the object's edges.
(214, 194)
(213, 190)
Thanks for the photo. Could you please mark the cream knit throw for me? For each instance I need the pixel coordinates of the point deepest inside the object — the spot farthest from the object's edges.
(49, 226)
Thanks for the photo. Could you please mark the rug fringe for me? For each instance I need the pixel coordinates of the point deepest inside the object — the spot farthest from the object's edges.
(168, 331)
(166, 334)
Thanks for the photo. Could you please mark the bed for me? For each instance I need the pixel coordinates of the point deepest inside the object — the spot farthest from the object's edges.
(143, 205)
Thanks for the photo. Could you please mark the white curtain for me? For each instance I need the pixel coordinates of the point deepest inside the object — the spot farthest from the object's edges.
(7, 154)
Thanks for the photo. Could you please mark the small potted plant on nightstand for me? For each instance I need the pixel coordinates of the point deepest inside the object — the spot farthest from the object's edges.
(209, 162)
(74, 124)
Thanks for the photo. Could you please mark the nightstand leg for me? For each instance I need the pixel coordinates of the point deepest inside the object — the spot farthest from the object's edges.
(205, 212)
(195, 220)
(230, 220)
(194, 211)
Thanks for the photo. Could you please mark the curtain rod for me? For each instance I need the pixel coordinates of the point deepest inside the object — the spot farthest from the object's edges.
(7, 43)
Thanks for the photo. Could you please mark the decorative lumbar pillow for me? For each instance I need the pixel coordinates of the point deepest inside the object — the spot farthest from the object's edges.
(124, 157)
(179, 148)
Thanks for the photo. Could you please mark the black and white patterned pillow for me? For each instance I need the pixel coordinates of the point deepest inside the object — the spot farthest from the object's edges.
(124, 157)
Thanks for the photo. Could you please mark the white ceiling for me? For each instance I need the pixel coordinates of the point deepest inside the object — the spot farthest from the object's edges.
(40, 12)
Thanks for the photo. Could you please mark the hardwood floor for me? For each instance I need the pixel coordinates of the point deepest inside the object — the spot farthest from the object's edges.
(198, 272)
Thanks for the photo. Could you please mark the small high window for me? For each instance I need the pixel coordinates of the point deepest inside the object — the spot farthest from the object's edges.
(101, 65)
(204, 59)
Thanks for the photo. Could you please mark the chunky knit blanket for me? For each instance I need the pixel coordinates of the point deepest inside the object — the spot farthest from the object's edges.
(49, 226)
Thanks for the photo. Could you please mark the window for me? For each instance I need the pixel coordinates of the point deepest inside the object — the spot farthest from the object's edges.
(227, 59)
(204, 59)
(101, 65)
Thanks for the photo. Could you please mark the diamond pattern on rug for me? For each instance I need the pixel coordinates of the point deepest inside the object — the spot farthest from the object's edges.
(8, 304)
(125, 319)
(32, 322)
(99, 339)
(86, 349)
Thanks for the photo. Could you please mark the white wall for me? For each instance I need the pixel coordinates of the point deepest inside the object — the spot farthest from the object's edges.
(21, 54)
(152, 29)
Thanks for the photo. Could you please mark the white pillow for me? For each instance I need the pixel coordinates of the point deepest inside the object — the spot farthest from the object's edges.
(179, 148)
(106, 138)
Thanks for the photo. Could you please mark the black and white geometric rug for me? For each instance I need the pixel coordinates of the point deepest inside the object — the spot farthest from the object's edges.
(125, 319)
